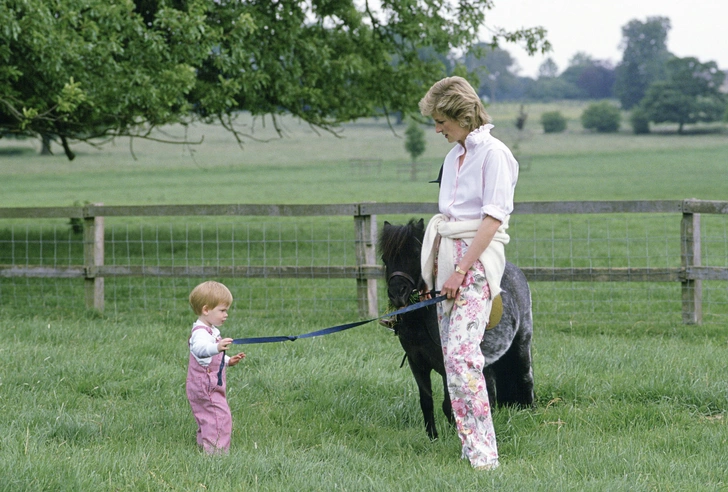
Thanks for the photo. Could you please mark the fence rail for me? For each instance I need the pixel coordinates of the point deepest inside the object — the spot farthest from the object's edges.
(367, 270)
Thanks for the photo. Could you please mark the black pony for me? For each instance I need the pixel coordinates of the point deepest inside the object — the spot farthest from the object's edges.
(506, 347)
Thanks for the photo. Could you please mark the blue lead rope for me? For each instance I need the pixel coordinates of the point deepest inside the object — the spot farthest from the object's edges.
(335, 329)
(219, 371)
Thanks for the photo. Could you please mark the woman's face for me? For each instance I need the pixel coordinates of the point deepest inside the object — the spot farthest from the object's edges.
(450, 128)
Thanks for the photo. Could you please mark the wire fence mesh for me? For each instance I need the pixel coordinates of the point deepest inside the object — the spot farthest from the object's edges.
(551, 241)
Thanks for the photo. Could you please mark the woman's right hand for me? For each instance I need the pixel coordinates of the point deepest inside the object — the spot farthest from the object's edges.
(452, 285)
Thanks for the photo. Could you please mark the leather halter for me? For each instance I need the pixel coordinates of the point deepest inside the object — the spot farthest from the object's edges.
(404, 275)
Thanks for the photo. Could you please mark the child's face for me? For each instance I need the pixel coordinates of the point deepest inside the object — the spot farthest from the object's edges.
(215, 316)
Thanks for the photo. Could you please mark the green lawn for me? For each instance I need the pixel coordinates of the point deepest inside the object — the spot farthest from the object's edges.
(306, 167)
(628, 398)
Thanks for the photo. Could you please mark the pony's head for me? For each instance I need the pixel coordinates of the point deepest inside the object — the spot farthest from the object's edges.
(401, 247)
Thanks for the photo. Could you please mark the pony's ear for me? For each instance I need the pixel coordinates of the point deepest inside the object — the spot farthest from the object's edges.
(387, 224)
(421, 224)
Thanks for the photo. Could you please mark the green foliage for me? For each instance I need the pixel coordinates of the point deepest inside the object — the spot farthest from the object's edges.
(415, 140)
(553, 122)
(78, 70)
(643, 61)
(602, 117)
(493, 69)
(640, 121)
(593, 78)
(76, 224)
(691, 94)
(548, 69)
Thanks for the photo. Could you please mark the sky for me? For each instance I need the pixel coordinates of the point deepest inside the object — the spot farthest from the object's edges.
(595, 27)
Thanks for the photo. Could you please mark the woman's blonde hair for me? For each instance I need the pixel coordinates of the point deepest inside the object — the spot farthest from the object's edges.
(210, 294)
(455, 98)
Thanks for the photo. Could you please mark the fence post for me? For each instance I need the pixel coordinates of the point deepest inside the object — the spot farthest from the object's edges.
(366, 254)
(692, 290)
(93, 256)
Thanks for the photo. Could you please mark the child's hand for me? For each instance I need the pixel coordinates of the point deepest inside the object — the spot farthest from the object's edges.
(236, 358)
(224, 344)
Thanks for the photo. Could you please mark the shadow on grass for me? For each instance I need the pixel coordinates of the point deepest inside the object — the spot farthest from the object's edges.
(16, 151)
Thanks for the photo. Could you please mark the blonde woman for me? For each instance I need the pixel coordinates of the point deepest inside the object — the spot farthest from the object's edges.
(463, 252)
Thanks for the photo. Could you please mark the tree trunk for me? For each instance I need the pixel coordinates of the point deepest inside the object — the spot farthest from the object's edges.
(413, 171)
(67, 148)
(45, 148)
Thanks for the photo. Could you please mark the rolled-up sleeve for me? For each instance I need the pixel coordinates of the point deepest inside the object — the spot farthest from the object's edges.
(500, 174)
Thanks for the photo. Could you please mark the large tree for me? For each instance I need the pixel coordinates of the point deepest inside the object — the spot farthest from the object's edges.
(690, 94)
(81, 70)
(594, 78)
(493, 67)
(644, 58)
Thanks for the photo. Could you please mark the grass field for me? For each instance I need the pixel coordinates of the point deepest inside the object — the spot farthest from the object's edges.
(95, 402)
(306, 167)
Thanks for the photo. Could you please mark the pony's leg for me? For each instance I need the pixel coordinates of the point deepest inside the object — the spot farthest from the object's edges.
(424, 385)
(446, 403)
(490, 383)
(514, 374)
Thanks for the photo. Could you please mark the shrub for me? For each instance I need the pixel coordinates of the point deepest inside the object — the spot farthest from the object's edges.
(553, 122)
(602, 117)
(640, 121)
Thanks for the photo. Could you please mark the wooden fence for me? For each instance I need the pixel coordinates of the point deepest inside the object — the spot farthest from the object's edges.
(367, 270)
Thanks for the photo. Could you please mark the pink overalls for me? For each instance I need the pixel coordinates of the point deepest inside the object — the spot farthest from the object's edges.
(209, 403)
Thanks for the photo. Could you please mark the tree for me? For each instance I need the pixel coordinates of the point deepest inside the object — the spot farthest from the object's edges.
(548, 69)
(643, 61)
(80, 70)
(690, 94)
(415, 145)
(493, 68)
(594, 78)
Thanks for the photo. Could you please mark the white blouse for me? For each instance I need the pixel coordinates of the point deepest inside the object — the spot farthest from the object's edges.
(484, 184)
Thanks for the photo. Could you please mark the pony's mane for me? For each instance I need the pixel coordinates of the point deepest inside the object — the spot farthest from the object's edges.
(395, 239)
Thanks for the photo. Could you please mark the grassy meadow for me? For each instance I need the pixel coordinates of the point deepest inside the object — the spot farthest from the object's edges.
(97, 402)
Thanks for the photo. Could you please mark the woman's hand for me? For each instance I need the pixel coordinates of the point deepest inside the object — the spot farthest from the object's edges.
(452, 285)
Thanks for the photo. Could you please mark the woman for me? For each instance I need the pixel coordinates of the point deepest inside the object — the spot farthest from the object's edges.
(463, 252)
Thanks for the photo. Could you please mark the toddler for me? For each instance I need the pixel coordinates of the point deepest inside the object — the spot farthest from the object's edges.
(205, 375)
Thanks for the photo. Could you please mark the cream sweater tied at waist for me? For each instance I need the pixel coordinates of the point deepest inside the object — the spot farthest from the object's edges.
(493, 258)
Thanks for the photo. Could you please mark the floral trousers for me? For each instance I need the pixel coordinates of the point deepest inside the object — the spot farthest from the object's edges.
(461, 331)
